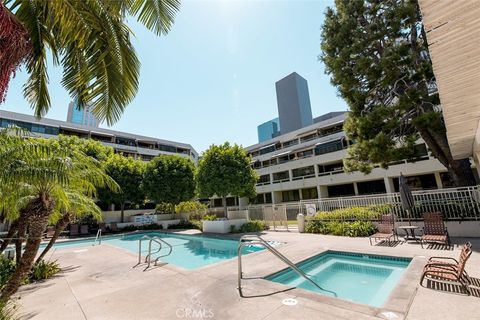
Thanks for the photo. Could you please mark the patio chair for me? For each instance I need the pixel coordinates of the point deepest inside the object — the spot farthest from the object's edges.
(50, 232)
(386, 229)
(452, 262)
(102, 226)
(74, 230)
(449, 272)
(434, 229)
(84, 229)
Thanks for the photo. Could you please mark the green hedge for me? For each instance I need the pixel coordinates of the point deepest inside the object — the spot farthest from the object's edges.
(338, 228)
(354, 213)
(251, 226)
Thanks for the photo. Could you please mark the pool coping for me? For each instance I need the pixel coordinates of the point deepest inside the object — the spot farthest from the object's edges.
(397, 304)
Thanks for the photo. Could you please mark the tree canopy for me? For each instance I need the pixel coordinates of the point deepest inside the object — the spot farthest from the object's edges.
(170, 179)
(128, 173)
(225, 170)
(89, 40)
(376, 53)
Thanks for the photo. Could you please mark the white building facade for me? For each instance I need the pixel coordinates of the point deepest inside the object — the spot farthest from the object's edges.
(308, 164)
(127, 144)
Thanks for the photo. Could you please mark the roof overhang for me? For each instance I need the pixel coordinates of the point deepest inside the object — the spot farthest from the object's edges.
(454, 43)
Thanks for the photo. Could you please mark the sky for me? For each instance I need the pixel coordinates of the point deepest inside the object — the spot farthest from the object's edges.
(212, 78)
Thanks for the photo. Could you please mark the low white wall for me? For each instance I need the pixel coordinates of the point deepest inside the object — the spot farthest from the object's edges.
(455, 228)
(115, 216)
(222, 226)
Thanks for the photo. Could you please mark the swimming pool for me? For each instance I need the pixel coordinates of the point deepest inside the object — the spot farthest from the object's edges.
(361, 278)
(189, 251)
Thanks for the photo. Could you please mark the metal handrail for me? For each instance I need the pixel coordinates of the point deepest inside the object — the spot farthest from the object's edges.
(148, 257)
(98, 237)
(276, 253)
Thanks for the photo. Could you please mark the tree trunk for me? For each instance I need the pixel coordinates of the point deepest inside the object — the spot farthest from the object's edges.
(122, 212)
(11, 233)
(224, 202)
(37, 213)
(22, 228)
(61, 224)
(460, 170)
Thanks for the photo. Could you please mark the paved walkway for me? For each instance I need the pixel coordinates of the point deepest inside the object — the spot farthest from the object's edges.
(100, 283)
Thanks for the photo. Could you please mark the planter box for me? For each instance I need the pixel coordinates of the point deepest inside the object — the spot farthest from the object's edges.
(222, 226)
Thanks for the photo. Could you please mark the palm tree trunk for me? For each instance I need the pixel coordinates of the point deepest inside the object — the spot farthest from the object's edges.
(37, 213)
(11, 232)
(22, 229)
(61, 224)
(224, 202)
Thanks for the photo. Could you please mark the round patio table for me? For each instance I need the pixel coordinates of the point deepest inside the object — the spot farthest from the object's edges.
(410, 233)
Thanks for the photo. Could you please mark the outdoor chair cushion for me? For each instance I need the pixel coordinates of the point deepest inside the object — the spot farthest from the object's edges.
(434, 237)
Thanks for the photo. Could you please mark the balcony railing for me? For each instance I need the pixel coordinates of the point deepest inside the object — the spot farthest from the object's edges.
(454, 203)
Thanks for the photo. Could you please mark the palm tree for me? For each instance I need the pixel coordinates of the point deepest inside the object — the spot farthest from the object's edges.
(88, 38)
(46, 173)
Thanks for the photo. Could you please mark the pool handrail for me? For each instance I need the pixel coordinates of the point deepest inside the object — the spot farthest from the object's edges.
(260, 241)
(148, 257)
(98, 237)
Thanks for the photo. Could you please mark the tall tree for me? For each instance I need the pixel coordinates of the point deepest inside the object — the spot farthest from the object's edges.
(128, 173)
(376, 53)
(169, 179)
(225, 170)
(41, 173)
(89, 39)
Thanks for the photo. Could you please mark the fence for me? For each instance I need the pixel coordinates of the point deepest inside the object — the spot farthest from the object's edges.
(454, 203)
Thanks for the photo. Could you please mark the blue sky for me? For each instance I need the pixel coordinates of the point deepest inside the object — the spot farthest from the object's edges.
(212, 78)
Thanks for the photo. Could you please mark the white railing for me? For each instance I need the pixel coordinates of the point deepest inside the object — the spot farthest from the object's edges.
(454, 203)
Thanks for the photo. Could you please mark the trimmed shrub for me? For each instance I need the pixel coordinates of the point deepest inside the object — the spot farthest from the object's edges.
(209, 217)
(190, 206)
(253, 226)
(44, 270)
(187, 225)
(164, 208)
(152, 226)
(354, 213)
(338, 228)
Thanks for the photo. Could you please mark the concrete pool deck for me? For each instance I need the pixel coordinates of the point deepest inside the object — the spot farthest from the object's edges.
(99, 282)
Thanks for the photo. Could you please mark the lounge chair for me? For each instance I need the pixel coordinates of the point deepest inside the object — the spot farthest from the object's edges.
(73, 230)
(102, 226)
(434, 229)
(50, 232)
(386, 229)
(449, 272)
(84, 229)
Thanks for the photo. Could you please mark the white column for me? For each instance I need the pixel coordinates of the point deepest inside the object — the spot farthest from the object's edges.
(355, 188)
(438, 179)
(388, 185)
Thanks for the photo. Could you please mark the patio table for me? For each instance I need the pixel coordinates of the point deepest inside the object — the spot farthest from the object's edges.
(410, 233)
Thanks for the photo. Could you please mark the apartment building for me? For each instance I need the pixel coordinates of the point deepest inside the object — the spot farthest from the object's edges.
(127, 144)
(308, 164)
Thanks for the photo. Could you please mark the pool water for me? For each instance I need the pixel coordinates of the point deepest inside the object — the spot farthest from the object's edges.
(189, 252)
(360, 278)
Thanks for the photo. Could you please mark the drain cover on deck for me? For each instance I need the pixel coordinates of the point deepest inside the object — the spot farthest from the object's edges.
(289, 302)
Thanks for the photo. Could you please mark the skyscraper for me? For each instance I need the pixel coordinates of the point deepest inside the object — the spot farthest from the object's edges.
(81, 116)
(293, 103)
(268, 130)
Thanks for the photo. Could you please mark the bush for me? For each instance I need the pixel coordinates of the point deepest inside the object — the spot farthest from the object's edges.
(337, 228)
(8, 311)
(190, 206)
(187, 225)
(209, 217)
(44, 270)
(40, 271)
(164, 208)
(354, 213)
(253, 226)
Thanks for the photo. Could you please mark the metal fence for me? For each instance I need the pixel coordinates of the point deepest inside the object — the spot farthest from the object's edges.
(454, 203)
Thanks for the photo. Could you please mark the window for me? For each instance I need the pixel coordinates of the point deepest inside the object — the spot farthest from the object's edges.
(329, 147)
(309, 137)
(268, 197)
(279, 176)
(264, 179)
(303, 172)
(259, 199)
(371, 187)
(290, 143)
(125, 141)
(309, 193)
(305, 154)
(332, 130)
(167, 148)
(290, 196)
(217, 202)
(267, 149)
(341, 190)
(231, 201)
(332, 168)
(420, 182)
